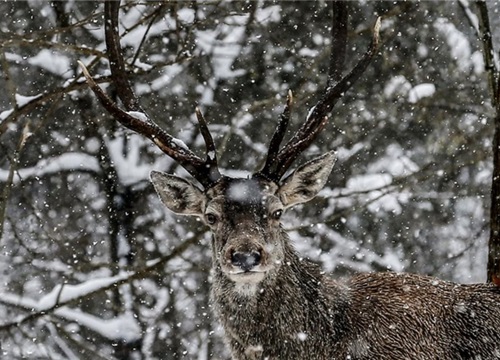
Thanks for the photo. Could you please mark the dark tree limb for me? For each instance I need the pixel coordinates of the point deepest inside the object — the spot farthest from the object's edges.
(493, 267)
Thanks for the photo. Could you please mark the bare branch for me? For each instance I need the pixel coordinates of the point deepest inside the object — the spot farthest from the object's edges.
(121, 280)
(493, 267)
(10, 179)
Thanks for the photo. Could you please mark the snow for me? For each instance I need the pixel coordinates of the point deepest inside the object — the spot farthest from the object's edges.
(180, 144)
(185, 15)
(135, 34)
(53, 62)
(268, 14)
(63, 293)
(5, 114)
(126, 159)
(457, 42)
(138, 115)
(211, 155)
(421, 91)
(46, 167)
(163, 81)
(122, 327)
(240, 191)
(302, 336)
(224, 44)
(395, 162)
(382, 147)
(397, 85)
(22, 100)
(306, 52)
(368, 182)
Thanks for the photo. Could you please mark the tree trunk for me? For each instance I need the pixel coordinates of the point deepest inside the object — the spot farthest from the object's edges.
(493, 267)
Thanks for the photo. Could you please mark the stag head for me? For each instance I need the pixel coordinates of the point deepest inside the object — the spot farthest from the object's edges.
(243, 214)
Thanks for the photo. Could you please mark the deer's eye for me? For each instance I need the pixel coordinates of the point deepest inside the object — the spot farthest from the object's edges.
(277, 214)
(211, 218)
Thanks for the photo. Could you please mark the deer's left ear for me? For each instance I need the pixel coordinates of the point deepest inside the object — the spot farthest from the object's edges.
(307, 180)
(177, 194)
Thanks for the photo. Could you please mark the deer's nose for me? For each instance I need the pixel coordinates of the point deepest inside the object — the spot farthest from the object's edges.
(246, 260)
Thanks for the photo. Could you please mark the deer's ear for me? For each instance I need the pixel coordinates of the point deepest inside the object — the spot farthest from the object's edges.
(177, 194)
(307, 180)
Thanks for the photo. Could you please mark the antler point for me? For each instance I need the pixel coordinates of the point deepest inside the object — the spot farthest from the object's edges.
(376, 29)
(84, 69)
(289, 99)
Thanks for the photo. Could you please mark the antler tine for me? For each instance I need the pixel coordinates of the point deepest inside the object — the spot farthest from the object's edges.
(211, 159)
(134, 118)
(278, 135)
(318, 115)
(139, 122)
(116, 61)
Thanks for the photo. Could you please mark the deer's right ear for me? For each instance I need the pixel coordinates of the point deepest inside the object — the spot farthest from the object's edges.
(177, 194)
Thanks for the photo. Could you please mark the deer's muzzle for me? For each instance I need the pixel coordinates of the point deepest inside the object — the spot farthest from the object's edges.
(246, 261)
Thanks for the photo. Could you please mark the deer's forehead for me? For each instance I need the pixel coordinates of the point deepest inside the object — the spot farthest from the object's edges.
(243, 192)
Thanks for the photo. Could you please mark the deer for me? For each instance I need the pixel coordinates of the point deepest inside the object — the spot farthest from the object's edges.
(272, 303)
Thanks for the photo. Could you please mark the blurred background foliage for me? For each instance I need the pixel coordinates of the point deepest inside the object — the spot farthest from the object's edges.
(409, 192)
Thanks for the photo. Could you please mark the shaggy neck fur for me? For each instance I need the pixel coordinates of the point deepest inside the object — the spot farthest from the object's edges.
(272, 319)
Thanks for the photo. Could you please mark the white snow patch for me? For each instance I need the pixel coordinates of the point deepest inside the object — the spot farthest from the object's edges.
(421, 91)
(135, 34)
(63, 293)
(477, 61)
(122, 327)
(5, 114)
(268, 14)
(302, 336)
(186, 15)
(52, 62)
(64, 162)
(92, 145)
(211, 155)
(126, 157)
(22, 100)
(306, 52)
(396, 163)
(368, 182)
(457, 42)
(164, 81)
(138, 115)
(225, 44)
(397, 85)
(179, 143)
(239, 191)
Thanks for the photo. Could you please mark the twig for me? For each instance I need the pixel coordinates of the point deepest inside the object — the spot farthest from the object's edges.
(12, 169)
(138, 274)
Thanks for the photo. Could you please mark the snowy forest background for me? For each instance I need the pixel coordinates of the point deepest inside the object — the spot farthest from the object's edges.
(93, 266)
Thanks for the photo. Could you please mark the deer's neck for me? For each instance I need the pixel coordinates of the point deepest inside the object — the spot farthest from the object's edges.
(297, 298)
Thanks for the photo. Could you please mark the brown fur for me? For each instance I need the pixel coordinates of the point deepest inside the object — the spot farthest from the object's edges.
(302, 314)
(282, 307)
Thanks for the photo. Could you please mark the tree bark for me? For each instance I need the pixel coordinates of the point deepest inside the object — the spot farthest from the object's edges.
(493, 267)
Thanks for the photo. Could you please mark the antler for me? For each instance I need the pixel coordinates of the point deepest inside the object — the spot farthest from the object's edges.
(278, 161)
(136, 119)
